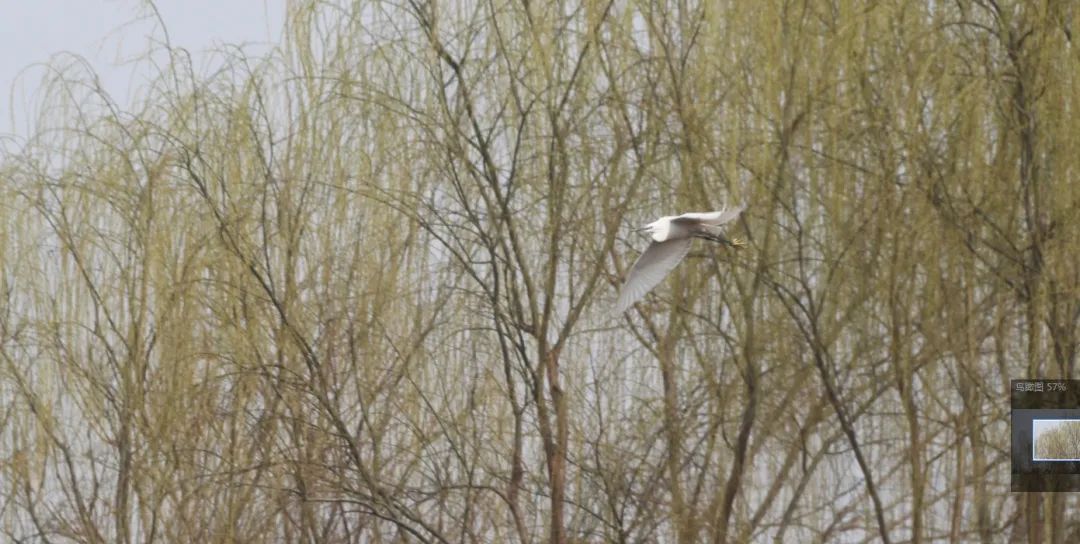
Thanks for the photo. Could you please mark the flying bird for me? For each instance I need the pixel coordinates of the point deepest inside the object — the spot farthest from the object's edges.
(671, 237)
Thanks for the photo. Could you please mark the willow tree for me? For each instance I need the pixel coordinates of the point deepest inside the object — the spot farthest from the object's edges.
(360, 288)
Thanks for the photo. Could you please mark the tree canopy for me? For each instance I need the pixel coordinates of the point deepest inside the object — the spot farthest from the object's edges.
(359, 289)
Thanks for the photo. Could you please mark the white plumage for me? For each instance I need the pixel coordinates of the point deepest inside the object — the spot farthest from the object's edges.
(671, 237)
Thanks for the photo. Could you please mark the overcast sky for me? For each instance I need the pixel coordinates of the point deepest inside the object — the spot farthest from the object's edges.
(106, 32)
(1043, 425)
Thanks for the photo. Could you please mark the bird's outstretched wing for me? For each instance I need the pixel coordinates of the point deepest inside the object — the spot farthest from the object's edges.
(714, 219)
(651, 267)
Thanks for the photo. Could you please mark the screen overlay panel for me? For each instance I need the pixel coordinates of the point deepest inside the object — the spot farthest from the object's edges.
(1045, 435)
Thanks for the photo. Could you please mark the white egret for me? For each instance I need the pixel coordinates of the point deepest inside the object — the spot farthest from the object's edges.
(671, 237)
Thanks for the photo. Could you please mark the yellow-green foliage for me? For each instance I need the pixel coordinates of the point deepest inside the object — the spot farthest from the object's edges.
(359, 289)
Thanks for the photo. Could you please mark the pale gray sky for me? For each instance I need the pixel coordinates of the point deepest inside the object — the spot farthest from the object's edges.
(107, 32)
(1042, 425)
